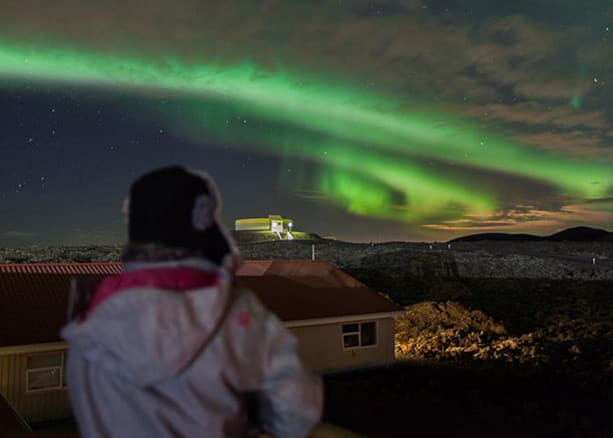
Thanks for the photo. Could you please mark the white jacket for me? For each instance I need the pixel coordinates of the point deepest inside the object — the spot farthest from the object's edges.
(175, 350)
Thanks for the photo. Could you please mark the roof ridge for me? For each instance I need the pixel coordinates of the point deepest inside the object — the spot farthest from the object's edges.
(61, 268)
(59, 263)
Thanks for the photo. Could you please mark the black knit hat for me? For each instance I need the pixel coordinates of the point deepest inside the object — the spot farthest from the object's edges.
(176, 208)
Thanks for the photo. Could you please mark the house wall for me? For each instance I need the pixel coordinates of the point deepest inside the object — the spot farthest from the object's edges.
(34, 406)
(321, 347)
(252, 224)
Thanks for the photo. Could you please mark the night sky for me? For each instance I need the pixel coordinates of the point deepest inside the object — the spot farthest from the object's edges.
(367, 121)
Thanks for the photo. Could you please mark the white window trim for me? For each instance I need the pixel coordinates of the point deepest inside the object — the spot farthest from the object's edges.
(343, 319)
(359, 333)
(60, 368)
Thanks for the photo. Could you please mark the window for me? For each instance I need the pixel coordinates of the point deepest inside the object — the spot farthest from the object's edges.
(362, 334)
(276, 227)
(45, 371)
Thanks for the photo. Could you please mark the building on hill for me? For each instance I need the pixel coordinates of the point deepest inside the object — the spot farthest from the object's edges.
(339, 323)
(273, 223)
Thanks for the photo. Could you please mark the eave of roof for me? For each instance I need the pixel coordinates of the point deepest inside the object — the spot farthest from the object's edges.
(103, 268)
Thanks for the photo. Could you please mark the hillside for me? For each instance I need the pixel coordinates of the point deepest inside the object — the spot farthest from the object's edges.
(249, 237)
(485, 259)
(552, 260)
(580, 234)
(575, 234)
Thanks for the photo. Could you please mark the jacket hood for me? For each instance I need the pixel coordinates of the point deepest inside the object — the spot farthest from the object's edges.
(150, 322)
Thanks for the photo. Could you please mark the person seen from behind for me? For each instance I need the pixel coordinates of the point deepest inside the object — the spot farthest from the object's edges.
(172, 347)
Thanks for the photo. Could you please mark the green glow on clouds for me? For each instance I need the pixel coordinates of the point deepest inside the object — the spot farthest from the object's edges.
(371, 148)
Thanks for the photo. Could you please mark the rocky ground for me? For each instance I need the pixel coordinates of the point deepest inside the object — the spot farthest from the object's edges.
(552, 260)
(430, 400)
(59, 254)
(497, 339)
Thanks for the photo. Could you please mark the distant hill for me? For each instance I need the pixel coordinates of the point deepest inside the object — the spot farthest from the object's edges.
(580, 234)
(497, 236)
(575, 234)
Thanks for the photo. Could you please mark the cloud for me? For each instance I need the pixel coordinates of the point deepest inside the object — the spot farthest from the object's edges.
(523, 219)
(557, 129)
(537, 113)
(526, 55)
(311, 195)
(404, 47)
(576, 143)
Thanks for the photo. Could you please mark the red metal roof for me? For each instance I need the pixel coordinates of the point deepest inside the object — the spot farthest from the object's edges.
(315, 273)
(295, 301)
(61, 268)
(33, 305)
(33, 297)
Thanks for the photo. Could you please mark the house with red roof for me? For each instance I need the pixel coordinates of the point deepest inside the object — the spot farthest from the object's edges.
(339, 322)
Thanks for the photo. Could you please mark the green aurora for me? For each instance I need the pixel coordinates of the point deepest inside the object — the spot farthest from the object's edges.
(370, 148)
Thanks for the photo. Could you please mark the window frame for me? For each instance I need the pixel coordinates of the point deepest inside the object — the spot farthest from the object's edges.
(359, 334)
(60, 368)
